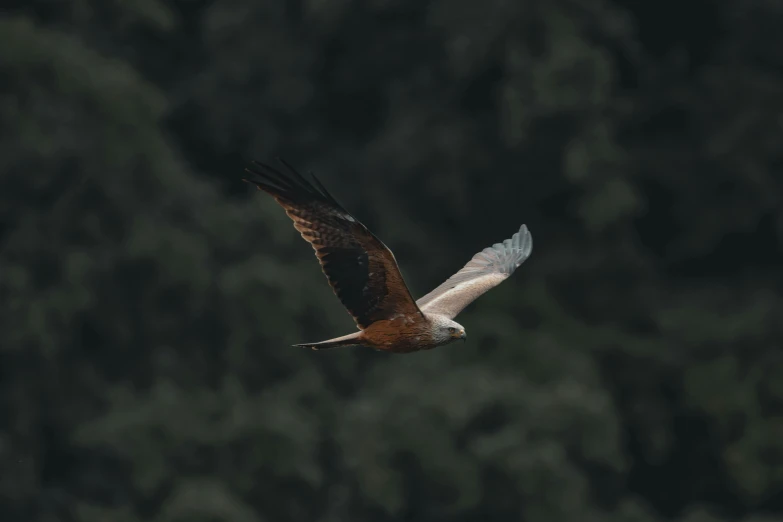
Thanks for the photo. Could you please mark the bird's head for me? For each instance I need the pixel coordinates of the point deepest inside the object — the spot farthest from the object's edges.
(446, 331)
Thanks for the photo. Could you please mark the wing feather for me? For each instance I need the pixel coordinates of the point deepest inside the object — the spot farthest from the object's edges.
(484, 271)
(360, 269)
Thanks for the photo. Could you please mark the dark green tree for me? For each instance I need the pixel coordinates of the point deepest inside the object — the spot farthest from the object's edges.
(630, 372)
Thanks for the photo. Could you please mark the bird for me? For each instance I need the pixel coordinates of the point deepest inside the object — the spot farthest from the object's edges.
(364, 274)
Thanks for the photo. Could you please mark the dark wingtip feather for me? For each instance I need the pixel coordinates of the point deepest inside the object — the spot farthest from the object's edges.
(298, 177)
(272, 180)
(321, 187)
(291, 185)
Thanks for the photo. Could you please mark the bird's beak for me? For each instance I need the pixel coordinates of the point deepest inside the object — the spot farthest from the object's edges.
(463, 335)
(459, 335)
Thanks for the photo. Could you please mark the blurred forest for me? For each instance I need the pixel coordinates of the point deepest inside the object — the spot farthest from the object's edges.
(630, 371)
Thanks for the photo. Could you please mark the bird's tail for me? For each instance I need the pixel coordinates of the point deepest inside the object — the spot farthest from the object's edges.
(345, 340)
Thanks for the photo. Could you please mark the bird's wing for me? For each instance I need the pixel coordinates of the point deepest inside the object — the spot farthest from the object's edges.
(361, 270)
(484, 271)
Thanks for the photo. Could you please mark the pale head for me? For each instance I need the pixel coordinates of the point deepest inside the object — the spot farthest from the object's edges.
(445, 330)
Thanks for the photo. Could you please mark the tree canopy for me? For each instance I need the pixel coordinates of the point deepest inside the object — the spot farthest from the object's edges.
(630, 371)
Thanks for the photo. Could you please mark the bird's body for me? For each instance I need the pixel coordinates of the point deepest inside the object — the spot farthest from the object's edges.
(403, 333)
(365, 277)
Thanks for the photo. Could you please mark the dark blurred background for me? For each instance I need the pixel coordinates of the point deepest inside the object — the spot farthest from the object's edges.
(630, 371)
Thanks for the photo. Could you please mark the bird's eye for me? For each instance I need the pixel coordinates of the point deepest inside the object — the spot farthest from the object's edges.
(452, 329)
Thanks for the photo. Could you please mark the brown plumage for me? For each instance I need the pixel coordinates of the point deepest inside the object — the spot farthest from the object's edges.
(365, 277)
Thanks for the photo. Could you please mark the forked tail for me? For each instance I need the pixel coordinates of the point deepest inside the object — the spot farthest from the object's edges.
(345, 340)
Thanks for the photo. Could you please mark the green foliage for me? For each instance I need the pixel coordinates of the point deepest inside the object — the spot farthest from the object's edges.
(630, 371)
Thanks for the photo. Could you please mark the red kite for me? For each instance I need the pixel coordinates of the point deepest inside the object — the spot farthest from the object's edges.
(364, 275)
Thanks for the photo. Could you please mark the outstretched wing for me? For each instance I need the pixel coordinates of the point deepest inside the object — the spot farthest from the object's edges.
(361, 270)
(484, 271)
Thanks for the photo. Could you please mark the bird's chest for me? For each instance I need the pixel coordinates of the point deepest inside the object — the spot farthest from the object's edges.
(403, 333)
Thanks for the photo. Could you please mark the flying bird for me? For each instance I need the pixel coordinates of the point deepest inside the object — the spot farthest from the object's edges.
(364, 274)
